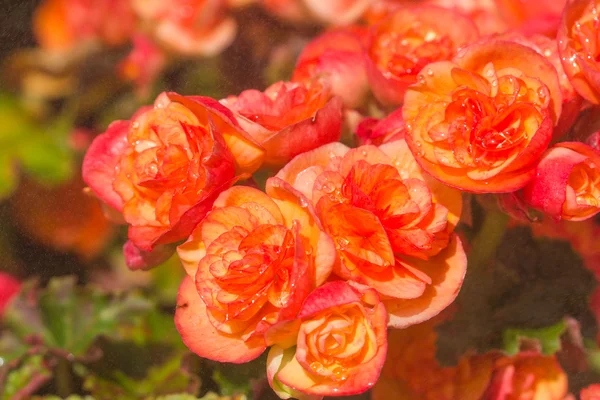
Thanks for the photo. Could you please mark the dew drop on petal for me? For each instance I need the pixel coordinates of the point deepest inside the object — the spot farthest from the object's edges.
(328, 187)
(429, 72)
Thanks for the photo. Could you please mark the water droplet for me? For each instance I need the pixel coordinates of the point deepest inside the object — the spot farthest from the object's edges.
(135, 125)
(159, 105)
(421, 79)
(418, 144)
(429, 72)
(152, 169)
(303, 203)
(547, 52)
(364, 153)
(342, 242)
(331, 154)
(490, 73)
(328, 187)
(494, 83)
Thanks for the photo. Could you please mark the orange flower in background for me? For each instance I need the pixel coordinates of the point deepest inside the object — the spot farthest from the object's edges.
(392, 224)
(289, 118)
(412, 371)
(142, 65)
(579, 47)
(400, 45)
(528, 376)
(62, 24)
(335, 12)
(336, 56)
(254, 260)
(481, 122)
(567, 183)
(62, 217)
(335, 347)
(192, 27)
(164, 168)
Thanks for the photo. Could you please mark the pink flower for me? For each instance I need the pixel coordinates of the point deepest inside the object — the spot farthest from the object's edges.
(567, 182)
(9, 287)
(337, 56)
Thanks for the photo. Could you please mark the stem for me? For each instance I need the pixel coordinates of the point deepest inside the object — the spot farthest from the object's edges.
(64, 378)
(488, 238)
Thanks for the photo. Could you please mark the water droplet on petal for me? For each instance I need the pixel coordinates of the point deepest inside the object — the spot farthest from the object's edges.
(429, 72)
(421, 79)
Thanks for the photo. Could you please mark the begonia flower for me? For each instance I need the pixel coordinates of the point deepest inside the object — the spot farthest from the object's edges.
(163, 169)
(62, 24)
(253, 259)
(391, 223)
(335, 347)
(579, 47)
(288, 118)
(481, 121)
(567, 182)
(9, 287)
(399, 46)
(337, 56)
(191, 27)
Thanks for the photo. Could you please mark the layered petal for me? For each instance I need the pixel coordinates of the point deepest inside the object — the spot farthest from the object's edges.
(254, 260)
(567, 182)
(481, 122)
(579, 47)
(340, 342)
(288, 118)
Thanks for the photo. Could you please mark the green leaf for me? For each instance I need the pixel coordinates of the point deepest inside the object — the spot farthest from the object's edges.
(26, 379)
(548, 338)
(70, 318)
(164, 379)
(238, 379)
(8, 175)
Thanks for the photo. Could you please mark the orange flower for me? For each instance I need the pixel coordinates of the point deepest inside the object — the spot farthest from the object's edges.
(528, 376)
(288, 118)
(481, 122)
(392, 224)
(336, 12)
(567, 182)
(62, 24)
(254, 260)
(335, 347)
(193, 27)
(164, 169)
(400, 46)
(337, 56)
(579, 47)
(412, 372)
(62, 217)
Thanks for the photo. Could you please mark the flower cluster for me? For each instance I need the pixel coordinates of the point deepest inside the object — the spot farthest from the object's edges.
(341, 243)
